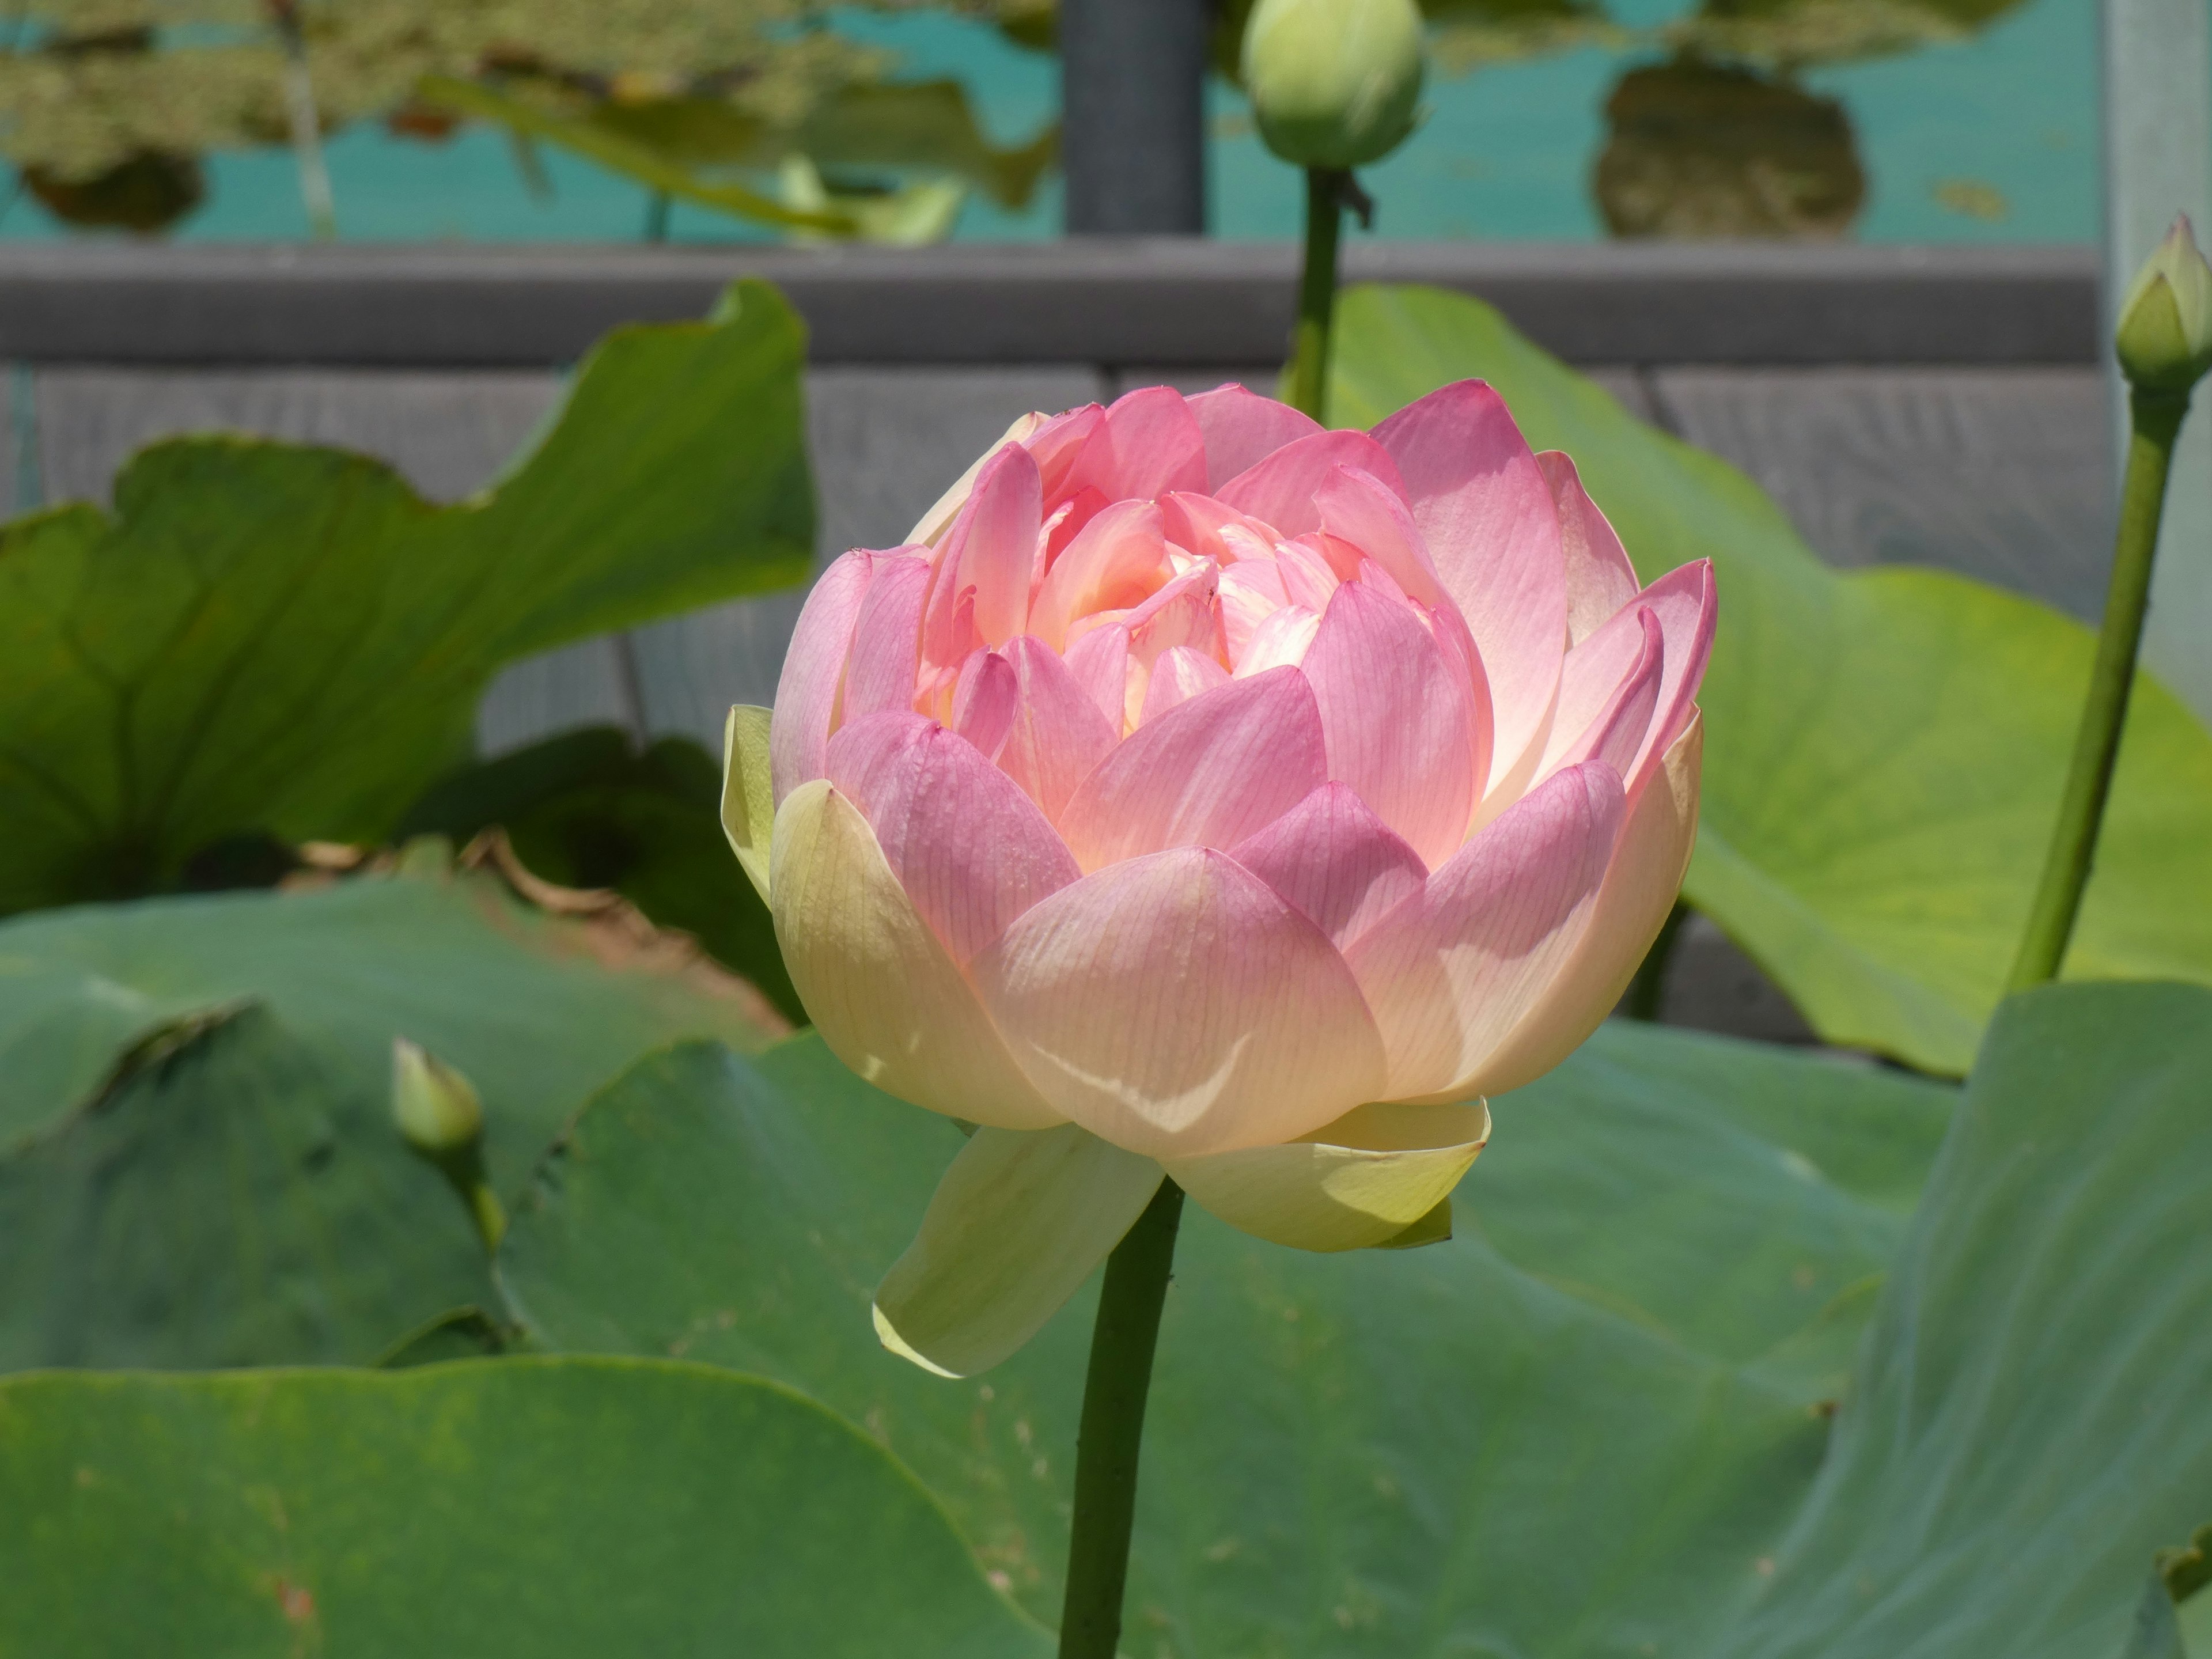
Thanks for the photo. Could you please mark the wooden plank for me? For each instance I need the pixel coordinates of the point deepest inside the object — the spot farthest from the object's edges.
(1103, 300)
(446, 433)
(886, 442)
(2001, 474)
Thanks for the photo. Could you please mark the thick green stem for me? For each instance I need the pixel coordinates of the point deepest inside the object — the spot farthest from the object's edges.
(1120, 1376)
(1317, 292)
(2156, 419)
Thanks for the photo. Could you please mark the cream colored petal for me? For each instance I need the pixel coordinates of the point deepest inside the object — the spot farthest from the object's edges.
(748, 797)
(1638, 889)
(1014, 1228)
(939, 519)
(887, 996)
(1356, 1183)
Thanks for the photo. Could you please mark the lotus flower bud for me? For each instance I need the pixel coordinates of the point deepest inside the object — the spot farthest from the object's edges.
(2163, 341)
(435, 1107)
(1199, 793)
(1334, 82)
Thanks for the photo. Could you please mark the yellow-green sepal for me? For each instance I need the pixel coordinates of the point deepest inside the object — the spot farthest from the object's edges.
(1379, 1176)
(748, 798)
(1020, 1220)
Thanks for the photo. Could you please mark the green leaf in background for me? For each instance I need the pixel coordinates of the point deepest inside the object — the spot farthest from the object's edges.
(1884, 748)
(236, 1195)
(531, 1507)
(2028, 1422)
(264, 638)
(538, 1011)
(583, 810)
(1556, 1433)
(234, 1191)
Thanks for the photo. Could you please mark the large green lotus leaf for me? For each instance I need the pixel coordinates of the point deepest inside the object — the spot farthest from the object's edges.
(1564, 1431)
(539, 1010)
(582, 810)
(543, 1507)
(235, 1196)
(1884, 748)
(269, 639)
(2028, 1422)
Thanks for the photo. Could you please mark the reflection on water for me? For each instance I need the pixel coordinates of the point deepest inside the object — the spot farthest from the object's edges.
(908, 119)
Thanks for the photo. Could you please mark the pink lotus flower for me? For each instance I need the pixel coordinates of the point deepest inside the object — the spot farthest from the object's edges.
(1200, 790)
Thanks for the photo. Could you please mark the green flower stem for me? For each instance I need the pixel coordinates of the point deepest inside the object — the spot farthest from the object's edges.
(1317, 292)
(1120, 1376)
(2156, 418)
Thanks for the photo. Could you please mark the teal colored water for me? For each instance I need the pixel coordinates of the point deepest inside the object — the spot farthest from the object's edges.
(1993, 138)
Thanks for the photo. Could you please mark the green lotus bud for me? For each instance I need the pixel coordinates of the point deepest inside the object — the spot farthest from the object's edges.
(435, 1107)
(2165, 338)
(1334, 82)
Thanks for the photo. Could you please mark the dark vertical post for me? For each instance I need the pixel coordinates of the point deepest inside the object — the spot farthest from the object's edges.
(1133, 132)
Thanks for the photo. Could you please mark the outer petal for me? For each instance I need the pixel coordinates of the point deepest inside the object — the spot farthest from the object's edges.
(887, 996)
(1058, 734)
(1639, 889)
(1362, 509)
(1099, 661)
(971, 850)
(1451, 972)
(983, 702)
(1115, 563)
(1279, 490)
(1688, 607)
(1242, 429)
(1179, 674)
(1598, 721)
(885, 663)
(933, 524)
(1357, 1183)
(1487, 513)
(1600, 577)
(1015, 1226)
(1174, 1005)
(1395, 719)
(1152, 445)
(748, 795)
(1208, 772)
(806, 692)
(1334, 862)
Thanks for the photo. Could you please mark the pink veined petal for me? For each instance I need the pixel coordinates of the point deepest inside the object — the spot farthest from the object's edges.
(1332, 859)
(1492, 528)
(1251, 591)
(1451, 972)
(1208, 773)
(1115, 562)
(1065, 525)
(1281, 641)
(1204, 526)
(1687, 606)
(1242, 429)
(1150, 445)
(1361, 509)
(929, 531)
(1613, 730)
(987, 556)
(1179, 674)
(1057, 734)
(1395, 718)
(983, 702)
(1649, 859)
(1280, 488)
(971, 850)
(1174, 1005)
(1307, 576)
(1100, 663)
(1600, 577)
(1453, 639)
(806, 692)
(1058, 445)
(885, 663)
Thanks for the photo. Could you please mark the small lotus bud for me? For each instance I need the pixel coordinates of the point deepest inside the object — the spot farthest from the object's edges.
(1334, 82)
(2165, 338)
(435, 1107)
